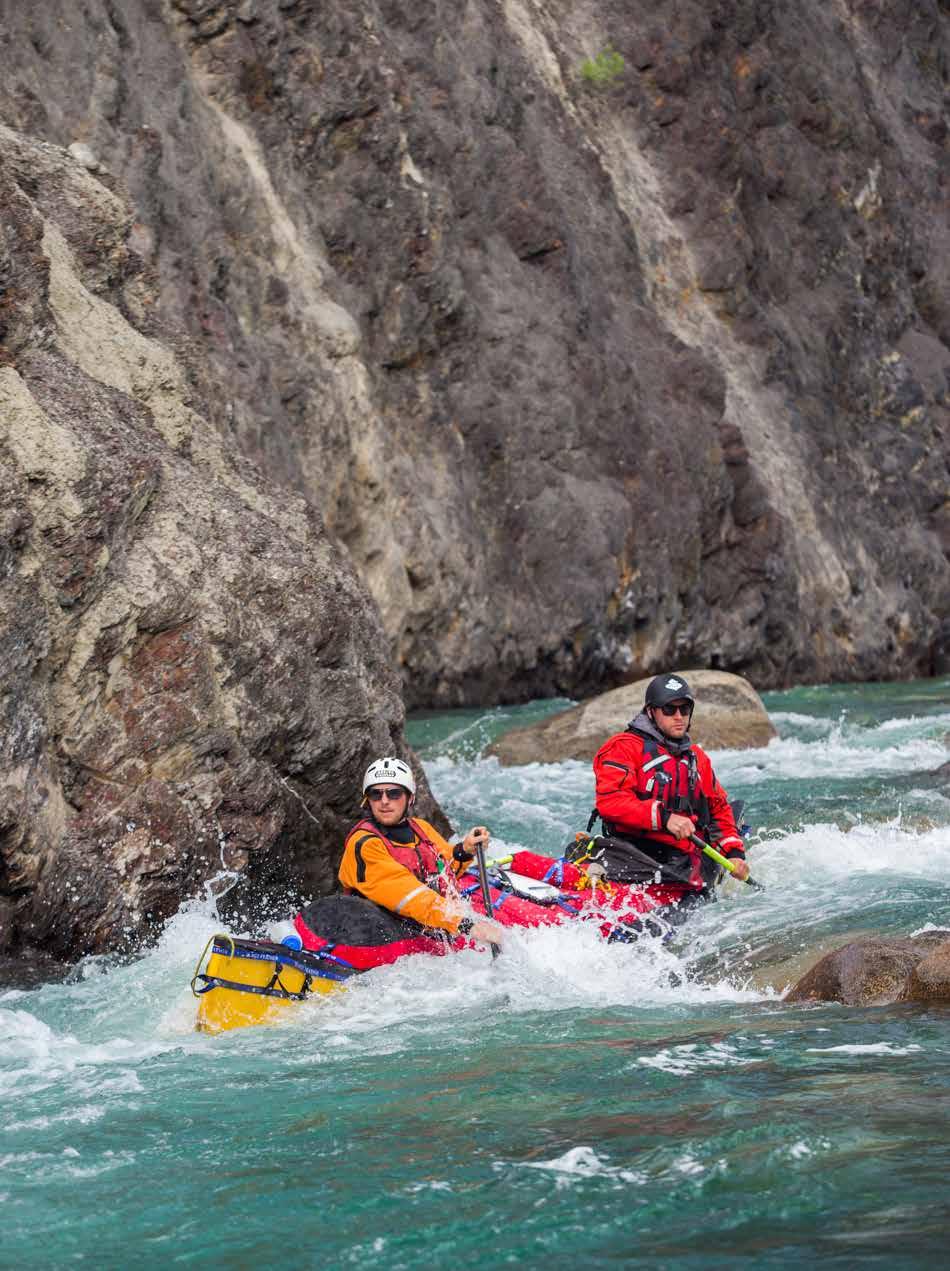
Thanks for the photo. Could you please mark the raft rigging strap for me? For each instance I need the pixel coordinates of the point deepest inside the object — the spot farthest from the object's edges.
(268, 990)
(204, 953)
(275, 987)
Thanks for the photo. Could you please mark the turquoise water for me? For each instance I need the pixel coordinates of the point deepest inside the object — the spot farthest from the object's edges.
(573, 1104)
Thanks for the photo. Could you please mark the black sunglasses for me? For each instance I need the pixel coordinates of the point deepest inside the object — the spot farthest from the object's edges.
(677, 708)
(388, 792)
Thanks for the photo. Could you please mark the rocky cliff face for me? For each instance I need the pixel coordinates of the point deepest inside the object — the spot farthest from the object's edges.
(191, 675)
(589, 377)
(528, 266)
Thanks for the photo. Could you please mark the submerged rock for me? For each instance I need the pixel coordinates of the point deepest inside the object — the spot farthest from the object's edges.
(879, 971)
(191, 675)
(729, 715)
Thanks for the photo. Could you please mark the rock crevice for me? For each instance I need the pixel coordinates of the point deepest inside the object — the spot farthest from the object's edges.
(192, 674)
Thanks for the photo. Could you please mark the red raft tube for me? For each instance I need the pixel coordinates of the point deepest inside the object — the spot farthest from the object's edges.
(252, 982)
(528, 890)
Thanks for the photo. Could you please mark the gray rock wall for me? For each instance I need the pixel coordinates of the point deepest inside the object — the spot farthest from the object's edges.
(191, 675)
(588, 379)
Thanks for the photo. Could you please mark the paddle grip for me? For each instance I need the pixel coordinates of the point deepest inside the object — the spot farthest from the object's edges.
(724, 861)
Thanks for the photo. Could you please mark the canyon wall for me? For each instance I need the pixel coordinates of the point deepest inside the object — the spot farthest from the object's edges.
(192, 677)
(456, 353)
(590, 372)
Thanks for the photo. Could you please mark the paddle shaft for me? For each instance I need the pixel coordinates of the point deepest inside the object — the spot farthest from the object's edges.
(486, 891)
(724, 861)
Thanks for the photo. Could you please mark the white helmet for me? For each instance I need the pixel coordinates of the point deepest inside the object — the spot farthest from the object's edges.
(382, 770)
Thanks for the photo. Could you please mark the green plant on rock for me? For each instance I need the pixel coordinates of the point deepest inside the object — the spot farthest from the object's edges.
(602, 70)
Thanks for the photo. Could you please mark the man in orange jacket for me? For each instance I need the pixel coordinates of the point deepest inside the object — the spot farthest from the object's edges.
(403, 863)
(655, 788)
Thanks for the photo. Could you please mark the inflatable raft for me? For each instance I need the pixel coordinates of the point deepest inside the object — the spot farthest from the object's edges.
(239, 982)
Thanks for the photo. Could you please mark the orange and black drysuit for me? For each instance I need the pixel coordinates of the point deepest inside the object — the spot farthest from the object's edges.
(642, 777)
(408, 868)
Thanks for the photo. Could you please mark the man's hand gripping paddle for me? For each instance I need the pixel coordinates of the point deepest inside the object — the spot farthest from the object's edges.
(724, 861)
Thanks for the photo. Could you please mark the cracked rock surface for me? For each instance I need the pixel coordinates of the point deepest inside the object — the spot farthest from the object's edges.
(330, 332)
(590, 378)
(191, 675)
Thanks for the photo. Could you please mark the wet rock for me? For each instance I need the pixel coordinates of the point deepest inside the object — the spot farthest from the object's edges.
(192, 677)
(729, 715)
(31, 970)
(930, 979)
(879, 971)
(558, 300)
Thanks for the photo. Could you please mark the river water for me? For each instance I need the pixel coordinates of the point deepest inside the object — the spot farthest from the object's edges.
(572, 1104)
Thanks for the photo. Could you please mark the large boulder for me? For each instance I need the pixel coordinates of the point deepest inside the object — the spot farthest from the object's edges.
(191, 674)
(877, 971)
(729, 715)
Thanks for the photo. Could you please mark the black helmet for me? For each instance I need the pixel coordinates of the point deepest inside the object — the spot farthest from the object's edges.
(668, 688)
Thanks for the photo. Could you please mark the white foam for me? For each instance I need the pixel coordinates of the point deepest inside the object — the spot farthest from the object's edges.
(387, 1011)
(68, 1163)
(535, 813)
(85, 1114)
(802, 1148)
(549, 796)
(822, 851)
(916, 724)
(870, 1048)
(681, 1061)
(857, 753)
(784, 719)
(688, 1165)
(582, 1162)
(120, 1008)
(34, 1056)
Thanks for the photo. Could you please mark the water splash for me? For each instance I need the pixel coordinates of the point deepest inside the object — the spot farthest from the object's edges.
(610, 1076)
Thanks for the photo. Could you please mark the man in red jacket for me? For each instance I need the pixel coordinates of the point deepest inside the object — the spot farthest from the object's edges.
(655, 788)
